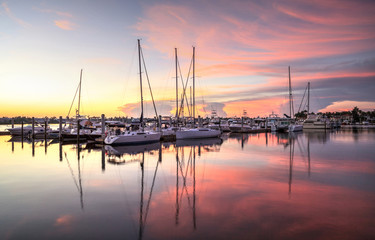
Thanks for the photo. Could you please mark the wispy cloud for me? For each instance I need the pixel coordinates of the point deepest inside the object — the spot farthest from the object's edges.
(65, 24)
(325, 40)
(55, 12)
(60, 23)
(12, 16)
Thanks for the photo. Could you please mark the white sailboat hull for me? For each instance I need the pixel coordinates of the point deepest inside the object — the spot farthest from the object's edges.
(133, 138)
(197, 133)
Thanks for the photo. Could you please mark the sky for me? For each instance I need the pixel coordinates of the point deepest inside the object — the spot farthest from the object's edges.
(242, 52)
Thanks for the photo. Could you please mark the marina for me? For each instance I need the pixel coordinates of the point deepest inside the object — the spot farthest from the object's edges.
(158, 120)
(260, 185)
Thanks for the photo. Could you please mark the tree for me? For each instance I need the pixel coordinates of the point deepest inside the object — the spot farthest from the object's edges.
(302, 114)
(355, 114)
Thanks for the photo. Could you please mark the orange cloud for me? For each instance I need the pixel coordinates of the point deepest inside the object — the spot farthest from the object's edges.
(65, 24)
(255, 108)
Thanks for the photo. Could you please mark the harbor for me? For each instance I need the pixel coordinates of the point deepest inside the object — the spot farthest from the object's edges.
(307, 181)
(187, 120)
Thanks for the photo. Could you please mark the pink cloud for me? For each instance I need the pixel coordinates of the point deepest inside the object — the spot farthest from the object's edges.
(328, 17)
(263, 43)
(65, 24)
(226, 39)
(56, 12)
(348, 106)
(10, 14)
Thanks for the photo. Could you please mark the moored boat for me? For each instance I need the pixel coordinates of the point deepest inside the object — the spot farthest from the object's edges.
(195, 133)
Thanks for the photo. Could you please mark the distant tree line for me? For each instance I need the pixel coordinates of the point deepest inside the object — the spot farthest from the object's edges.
(28, 120)
(356, 115)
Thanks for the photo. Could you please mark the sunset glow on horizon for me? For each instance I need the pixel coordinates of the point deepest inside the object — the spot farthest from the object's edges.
(243, 50)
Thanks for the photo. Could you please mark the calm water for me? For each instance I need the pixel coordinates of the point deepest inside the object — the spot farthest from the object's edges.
(259, 186)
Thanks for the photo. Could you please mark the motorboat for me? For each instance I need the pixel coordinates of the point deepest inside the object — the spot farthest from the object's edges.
(133, 137)
(314, 121)
(239, 127)
(295, 127)
(194, 133)
(17, 131)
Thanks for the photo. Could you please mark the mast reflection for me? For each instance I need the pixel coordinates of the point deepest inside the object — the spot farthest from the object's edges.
(180, 167)
(77, 180)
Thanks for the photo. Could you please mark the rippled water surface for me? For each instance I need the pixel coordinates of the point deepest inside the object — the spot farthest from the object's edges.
(310, 185)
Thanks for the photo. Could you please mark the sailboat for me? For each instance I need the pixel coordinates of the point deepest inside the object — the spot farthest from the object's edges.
(314, 121)
(200, 132)
(78, 127)
(135, 137)
(293, 127)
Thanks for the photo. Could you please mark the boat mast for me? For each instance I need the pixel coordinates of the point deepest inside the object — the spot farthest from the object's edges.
(79, 96)
(291, 108)
(193, 86)
(308, 98)
(140, 79)
(175, 51)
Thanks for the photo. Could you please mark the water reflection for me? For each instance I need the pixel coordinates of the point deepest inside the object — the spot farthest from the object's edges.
(241, 186)
(181, 165)
(121, 154)
(77, 179)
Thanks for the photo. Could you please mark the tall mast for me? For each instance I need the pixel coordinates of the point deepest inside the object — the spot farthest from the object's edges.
(191, 104)
(194, 86)
(291, 110)
(308, 97)
(140, 79)
(175, 51)
(79, 96)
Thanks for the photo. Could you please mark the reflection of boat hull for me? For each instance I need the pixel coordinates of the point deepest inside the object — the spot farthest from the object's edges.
(168, 134)
(239, 128)
(19, 139)
(198, 142)
(131, 149)
(73, 137)
(49, 135)
(197, 133)
(133, 138)
(316, 125)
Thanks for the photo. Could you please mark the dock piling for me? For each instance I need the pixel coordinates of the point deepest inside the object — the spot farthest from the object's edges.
(45, 128)
(103, 124)
(60, 127)
(33, 128)
(103, 159)
(241, 124)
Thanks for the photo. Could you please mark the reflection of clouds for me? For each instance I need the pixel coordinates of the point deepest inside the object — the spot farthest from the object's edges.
(64, 221)
(250, 202)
